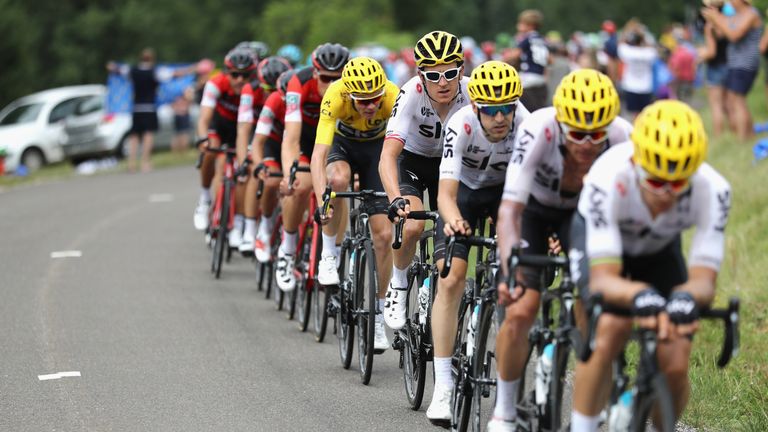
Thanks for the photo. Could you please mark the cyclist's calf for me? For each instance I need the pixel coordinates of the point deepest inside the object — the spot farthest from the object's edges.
(520, 316)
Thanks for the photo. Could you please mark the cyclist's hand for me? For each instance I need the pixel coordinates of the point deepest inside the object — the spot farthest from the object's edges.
(646, 307)
(458, 226)
(321, 218)
(507, 297)
(398, 208)
(683, 313)
(286, 189)
(242, 173)
(555, 247)
(202, 144)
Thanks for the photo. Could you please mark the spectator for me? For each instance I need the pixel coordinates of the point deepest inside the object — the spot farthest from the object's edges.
(764, 51)
(146, 78)
(182, 123)
(682, 65)
(714, 56)
(533, 55)
(611, 49)
(638, 56)
(743, 30)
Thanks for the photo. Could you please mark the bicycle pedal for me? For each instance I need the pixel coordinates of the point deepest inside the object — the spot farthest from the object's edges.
(397, 343)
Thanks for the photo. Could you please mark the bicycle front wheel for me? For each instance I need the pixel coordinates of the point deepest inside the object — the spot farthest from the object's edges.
(221, 233)
(484, 368)
(307, 283)
(413, 355)
(344, 322)
(643, 404)
(365, 305)
(320, 294)
(553, 410)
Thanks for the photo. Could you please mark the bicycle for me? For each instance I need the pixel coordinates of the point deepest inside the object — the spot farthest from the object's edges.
(265, 271)
(414, 340)
(649, 387)
(473, 360)
(355, 303)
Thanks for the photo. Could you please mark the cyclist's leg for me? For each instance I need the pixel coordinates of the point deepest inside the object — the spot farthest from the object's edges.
(251, 214)
(269, 199)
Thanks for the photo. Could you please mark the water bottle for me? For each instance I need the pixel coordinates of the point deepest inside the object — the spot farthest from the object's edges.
(543, 373)
(471, 331)
(621, 413)
(423, 301)
(351, 265)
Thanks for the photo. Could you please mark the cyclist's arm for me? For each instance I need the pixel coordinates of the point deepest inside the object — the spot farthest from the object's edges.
(447, 195)
(317, 169)
(605, 278)
(291, 147)
(204, 121)
(244, 130)
(508, 229)
(701, 284)
(257, 148)
(388, 170)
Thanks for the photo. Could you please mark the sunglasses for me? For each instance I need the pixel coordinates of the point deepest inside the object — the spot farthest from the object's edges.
(581, 137)
(492, 110)
(434, 76)
(267, 87)
(658, 186)
(328, 78)
(244, 75)
(367, 100)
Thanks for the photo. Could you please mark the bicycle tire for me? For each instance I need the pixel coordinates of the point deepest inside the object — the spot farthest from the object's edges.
(320, 296)
(366, 308)
(260, 277)
(345, 327)
(307, 286)
(484, 368)
(644, 403)
(291, 310)
(462, 372)
(552, 418)
(221, 234)
(414, 356)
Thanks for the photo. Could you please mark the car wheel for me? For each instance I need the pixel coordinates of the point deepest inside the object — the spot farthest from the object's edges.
(33, 159)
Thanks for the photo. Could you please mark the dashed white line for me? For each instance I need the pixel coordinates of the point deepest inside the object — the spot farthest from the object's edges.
(67, 254)
(160, 198)
(58, 375)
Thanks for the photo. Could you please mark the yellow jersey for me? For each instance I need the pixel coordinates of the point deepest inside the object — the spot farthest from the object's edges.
(338, 115)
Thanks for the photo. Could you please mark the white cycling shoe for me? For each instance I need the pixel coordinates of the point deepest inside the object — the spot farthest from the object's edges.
(200, 218)
(284, 271)
(327, 271)
(246, 247)
(439, 411)
(394, 307)
(380, 341)
(499, 425)
(261, 249)
(235, 238)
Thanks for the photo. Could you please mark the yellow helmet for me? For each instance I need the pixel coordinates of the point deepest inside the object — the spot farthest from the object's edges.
(438, 47)
(670, 142)
(494, 82)
(586, 99)
(363, 76)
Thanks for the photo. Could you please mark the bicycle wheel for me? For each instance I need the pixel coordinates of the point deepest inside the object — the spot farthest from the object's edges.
(320, 295)
(365, 303)
(462, 364)
(221, 233)
(260, 277)
(345, 326)
(644, 402)
(414, 357)
(293, 295)
(552, 417)
(484, 368)
(307, 286)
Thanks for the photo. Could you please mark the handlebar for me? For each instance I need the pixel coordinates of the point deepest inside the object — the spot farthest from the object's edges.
(295, 168)
(451, 241)
(256, 171)
(415, 215)
(729, 316)
(362, 195)
(200, 157)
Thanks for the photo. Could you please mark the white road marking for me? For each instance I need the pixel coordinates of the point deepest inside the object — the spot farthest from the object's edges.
(159, 198)
(67, 254)
(58, 375)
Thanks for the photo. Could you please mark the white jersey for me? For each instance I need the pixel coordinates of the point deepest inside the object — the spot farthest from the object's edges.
(537, 163)
(415, 123)
(619, 223)
(469, 157)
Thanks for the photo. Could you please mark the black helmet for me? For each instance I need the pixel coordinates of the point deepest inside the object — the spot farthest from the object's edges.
(239, 60)
(257, 48)
(330, 57)
(283, 79)
(270, 69)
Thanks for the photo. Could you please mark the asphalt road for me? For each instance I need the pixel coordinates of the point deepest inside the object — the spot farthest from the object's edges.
(158, 344)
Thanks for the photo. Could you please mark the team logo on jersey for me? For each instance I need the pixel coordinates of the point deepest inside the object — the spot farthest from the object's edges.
(548, 134)
(430, 131)
(597, 198)
(522, 147)
(426, 112)
(418, 88)
(467, 128)
(724, 206)
(622, 188)
(450, 134)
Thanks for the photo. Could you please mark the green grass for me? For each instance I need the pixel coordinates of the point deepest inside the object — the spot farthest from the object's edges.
(735, 398)
(65, 170)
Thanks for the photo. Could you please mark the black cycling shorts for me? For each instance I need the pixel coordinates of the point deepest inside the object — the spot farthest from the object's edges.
(307, 141)
(272, 150)
(539, 222)
(225, 129)
(474, 205)
(663, 270)
(363, 159)
(418, 174)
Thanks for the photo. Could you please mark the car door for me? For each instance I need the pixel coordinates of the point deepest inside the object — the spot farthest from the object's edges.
(53, 130)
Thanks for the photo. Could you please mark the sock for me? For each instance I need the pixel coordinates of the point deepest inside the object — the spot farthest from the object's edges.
(506, 399)
(399, 277)
(443, 375)
(205, 195)
(250, 228)
(329, 245)
(238, 222)
(380, 310)
(289, 242)
(583, 423)
(265, 228)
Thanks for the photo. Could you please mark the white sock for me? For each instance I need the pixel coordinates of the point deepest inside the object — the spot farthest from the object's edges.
(443, 375)
(506, 399)
(250, 227)
(399, 277)
(329, 245)
(205, 195)
(583, 423)
(238, 223)
(289, 242)
(265, 228)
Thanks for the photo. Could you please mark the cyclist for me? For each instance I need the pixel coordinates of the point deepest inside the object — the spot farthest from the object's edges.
(302, 111)
(477, 148)
(410, 158)
(218, 121)
(638, 198)
(251, 102)
(292, 53)
(554, 149)
(265, 149)
(350, 137)
(257, 48)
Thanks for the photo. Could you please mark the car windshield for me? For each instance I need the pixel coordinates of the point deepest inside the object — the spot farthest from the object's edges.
(22, 114)
(87, 106)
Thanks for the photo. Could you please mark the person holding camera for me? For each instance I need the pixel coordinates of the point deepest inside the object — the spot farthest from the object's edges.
(638, 55)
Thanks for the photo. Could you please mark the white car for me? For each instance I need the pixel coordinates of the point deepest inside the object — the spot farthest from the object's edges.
(32, 128)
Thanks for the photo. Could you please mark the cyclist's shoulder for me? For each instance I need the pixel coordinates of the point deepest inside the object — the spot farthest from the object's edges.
(541, 125)
(612, 163)
(714, 181)
(301, 79)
